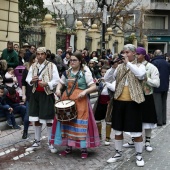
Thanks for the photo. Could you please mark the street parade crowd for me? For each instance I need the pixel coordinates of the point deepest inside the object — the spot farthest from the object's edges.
(54, 89)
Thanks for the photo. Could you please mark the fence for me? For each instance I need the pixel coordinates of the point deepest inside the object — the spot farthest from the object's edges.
(34, 36)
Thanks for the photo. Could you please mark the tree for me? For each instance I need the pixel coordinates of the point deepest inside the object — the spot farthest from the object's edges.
(118, 11)
(30, 11)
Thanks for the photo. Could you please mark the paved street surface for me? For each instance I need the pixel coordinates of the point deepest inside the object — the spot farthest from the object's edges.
(14, 157)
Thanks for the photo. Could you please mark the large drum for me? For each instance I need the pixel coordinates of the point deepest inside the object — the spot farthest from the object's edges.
(66, 110)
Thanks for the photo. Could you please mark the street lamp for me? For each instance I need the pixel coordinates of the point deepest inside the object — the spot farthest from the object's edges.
(104, 6)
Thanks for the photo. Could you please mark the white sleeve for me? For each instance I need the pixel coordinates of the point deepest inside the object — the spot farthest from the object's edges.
(110, 75)
(111, 86)
(29, 76)
(89, 78)
(63, 79)
(55, 78)
(153, 79)
(138, 70)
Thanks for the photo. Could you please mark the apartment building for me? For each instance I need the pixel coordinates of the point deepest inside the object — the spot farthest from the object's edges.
(155, 22)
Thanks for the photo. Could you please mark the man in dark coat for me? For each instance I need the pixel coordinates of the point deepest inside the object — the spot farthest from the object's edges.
(160, 93)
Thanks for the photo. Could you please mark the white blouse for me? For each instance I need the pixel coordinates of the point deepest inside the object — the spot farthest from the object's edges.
(87, 74)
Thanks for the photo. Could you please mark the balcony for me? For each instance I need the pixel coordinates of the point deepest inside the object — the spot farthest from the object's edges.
(160, 5)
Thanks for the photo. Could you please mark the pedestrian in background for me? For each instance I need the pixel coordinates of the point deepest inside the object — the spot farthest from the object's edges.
(7, 110)
(160, 93)
(10, 55)
(26, 93)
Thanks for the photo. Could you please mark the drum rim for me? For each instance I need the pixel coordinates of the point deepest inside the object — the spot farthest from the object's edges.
(62, 101)
(66, 120)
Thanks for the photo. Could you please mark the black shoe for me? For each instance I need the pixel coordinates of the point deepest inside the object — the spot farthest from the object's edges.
(159, 124)
(16, 127)
(25, 134)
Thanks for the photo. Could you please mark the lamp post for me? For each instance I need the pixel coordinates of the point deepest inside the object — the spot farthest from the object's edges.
(104, 6)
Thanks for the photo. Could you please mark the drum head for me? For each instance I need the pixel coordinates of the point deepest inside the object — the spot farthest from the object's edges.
(65, 104)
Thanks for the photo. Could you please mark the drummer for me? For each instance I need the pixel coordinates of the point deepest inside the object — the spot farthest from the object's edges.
(80, 132)
(43, 76)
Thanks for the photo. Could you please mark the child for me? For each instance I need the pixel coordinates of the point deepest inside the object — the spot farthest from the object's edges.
(13, 100)
(7, 110)
(10, 74)
(102, 105)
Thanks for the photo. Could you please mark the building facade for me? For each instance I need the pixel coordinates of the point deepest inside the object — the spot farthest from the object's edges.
(157, 25)
(155, 21)
(9, 22)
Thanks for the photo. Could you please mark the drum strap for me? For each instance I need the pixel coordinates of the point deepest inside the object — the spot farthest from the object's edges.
(74, 85)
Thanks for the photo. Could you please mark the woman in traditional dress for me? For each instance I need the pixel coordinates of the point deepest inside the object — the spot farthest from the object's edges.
(80, 132)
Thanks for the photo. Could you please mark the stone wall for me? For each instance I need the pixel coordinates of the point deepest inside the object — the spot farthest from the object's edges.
(9, 22)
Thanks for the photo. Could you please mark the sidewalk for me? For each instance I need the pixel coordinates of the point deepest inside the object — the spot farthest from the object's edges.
(14, 157)
(158, 159)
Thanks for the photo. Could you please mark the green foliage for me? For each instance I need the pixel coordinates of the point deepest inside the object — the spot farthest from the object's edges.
(29, 10)
(130, 39)
(30, 13)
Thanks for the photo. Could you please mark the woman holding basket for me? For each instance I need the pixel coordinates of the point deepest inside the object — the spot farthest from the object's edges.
(80, 132)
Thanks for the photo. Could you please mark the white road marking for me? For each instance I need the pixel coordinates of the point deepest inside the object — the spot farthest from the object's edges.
(2, 153)
(22, 155)
(8, 151)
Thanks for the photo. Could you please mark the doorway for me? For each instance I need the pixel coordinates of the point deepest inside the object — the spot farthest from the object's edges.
(157, 45)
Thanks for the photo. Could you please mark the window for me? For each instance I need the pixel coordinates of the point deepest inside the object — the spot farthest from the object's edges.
(156, 22)
(126, 22)
(129, 22)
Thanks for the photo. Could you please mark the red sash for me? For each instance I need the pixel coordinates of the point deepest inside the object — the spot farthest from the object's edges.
(39, 88)
(103, 99)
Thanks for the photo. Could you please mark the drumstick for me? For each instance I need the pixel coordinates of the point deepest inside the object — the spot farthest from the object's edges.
(61, 100)
(69, 102)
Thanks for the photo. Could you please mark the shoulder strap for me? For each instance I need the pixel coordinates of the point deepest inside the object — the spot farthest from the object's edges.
(39, 73)
(74, 85)
(65, 74)
(146, 63)
(123, 76)
(100, 91)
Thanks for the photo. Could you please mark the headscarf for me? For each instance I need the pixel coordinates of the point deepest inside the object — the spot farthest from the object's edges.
(141, 50)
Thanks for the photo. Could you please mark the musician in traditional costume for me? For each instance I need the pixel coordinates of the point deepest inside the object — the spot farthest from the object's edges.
(147, 107)
(43, 76)
(80, 132)
(126, 114)
(102, 108)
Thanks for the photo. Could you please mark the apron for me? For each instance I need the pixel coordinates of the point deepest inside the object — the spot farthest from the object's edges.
(76, 129)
